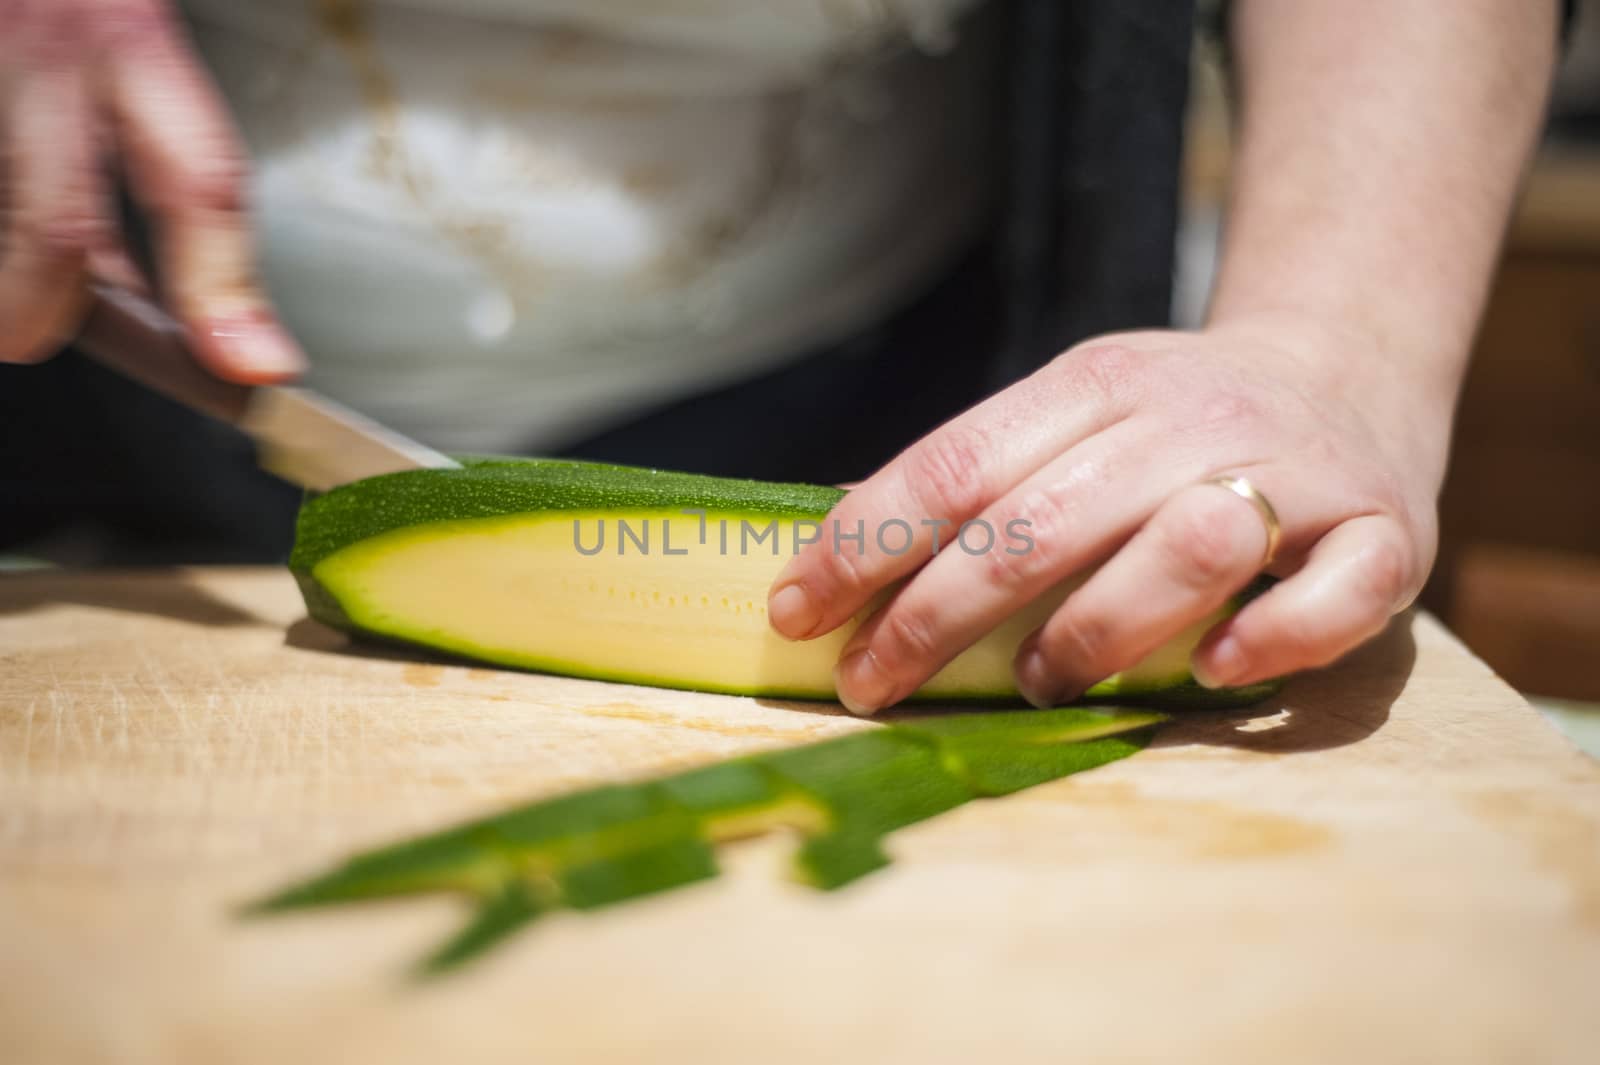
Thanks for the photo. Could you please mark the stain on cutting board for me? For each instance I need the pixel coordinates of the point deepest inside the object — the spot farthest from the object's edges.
(1201, 828)
(1564, 842)
(422, 675)
(631, 712)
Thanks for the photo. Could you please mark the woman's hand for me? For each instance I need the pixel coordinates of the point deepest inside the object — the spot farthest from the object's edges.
(1104, 453)
(90, 89)
(1384, 214)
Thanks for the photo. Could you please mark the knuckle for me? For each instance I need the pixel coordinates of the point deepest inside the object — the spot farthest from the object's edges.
(1292, 634)
(134, 24)
(1201, 535)
(1294, 640)
(1385, 574)
(212, 181)
(842, 572)
(1225, 413)
(1269, 643)
(1011, 571)
(56, 242)
(945, 471)
(906, 637)
(1078, 641)
(1108, 371)
(40, 33)
(1043, 513)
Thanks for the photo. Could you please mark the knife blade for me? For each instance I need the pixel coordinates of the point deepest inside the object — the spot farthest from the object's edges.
(300, 436)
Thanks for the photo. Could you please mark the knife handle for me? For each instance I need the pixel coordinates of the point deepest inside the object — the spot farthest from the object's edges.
(129, 334)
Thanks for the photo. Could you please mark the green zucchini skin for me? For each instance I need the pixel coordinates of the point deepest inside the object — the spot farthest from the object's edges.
(610, 844)
(360, 514)
(489, 487)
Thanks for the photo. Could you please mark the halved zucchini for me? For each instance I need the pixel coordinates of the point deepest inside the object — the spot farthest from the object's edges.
(625, 574)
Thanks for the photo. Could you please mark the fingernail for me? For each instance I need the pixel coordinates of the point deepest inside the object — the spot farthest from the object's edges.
(1034, 680)
(792, 612)
(256, 344)
(1221, 666)
(862, 687)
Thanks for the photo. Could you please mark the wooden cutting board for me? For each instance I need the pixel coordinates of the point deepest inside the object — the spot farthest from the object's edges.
(1394, 860)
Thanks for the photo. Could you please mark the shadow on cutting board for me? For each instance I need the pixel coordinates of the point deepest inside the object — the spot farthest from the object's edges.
(166, 593)
(1313, 712)
(308, 634)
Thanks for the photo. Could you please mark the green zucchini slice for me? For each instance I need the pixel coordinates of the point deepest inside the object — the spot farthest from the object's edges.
(624, 574)
(610, 844)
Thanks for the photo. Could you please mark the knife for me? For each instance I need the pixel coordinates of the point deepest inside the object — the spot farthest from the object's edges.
(300, 436)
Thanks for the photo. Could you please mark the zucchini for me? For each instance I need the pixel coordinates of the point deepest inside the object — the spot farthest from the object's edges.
(625, 574)
(590, 849)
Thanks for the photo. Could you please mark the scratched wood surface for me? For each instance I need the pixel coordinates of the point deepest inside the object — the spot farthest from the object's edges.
(1394, 860)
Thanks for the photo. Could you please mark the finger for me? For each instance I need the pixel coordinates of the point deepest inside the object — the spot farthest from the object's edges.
(187, 168)
(112, 264)
(1356, 578)
(1068, 516)
(908, 512)
(55, 211)
(1200, 547)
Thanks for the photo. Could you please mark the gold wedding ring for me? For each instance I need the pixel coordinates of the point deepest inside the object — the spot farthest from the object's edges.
(1242, 488)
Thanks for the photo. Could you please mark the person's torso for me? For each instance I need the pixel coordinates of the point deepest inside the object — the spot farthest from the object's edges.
(499, 224)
